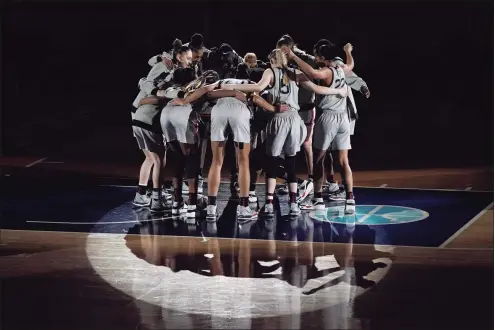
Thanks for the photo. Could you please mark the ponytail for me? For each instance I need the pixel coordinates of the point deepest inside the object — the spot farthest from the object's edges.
(280, 61)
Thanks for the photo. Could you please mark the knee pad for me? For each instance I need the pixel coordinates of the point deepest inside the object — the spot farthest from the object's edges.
(192, 165)
(290, 168)
(271, 167)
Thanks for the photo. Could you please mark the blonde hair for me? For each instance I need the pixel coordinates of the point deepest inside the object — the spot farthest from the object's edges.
(280, 61)
(249, 56)
(208, 77)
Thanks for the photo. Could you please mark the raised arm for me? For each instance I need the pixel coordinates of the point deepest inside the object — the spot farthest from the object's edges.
(322, 90)
(250, 88)
(349, 65)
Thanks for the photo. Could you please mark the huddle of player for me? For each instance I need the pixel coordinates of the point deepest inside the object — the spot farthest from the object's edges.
(194, 95)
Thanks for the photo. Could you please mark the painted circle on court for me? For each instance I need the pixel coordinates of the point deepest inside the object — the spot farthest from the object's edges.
(371, 215)
(229, 298)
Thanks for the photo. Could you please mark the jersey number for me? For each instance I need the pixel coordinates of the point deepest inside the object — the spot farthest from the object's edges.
(339, 83)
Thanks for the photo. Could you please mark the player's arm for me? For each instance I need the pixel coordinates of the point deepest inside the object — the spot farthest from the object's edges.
(149, 100)
(262, 103)
(308, 70)
(322, 90)
(349, 65)
(357, 83)
(195, 95)
(251, 88)
(219, 93)
(309, 59)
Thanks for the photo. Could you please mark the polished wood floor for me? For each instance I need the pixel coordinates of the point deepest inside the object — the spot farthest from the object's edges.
(141, 280)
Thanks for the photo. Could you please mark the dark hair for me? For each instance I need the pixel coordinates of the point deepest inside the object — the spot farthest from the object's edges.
(196, 42)
(183, 76)
(285, 40)
(328, 52)
(179, 48)
(321, 42)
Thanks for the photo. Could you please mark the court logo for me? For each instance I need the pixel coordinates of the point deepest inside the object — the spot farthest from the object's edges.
(371, 215)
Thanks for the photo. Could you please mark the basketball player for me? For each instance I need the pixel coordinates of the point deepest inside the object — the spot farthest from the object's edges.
(307, 113)
(199, 54)
(333, 123)
(230, 113)
(147, 138)
(358, 84)
(180, 129)
(285, 131)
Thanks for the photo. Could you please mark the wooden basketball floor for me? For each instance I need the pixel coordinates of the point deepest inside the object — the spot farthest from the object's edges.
(75, 255)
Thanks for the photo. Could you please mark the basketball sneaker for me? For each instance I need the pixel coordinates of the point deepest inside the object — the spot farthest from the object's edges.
(179, 208)
(211, 213)
(314, 204)
(350, 206)
(305, 189)
(141, 200)
(245, 213)
(252, 197)
(267, 209)
(294, 209)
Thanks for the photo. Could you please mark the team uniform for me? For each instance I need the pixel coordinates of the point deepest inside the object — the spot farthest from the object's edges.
(285, 132)
(230, 115)
(181, 124)
(145, 125)
(332, 125)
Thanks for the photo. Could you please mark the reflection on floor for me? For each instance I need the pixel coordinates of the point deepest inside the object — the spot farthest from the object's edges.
(117, 267)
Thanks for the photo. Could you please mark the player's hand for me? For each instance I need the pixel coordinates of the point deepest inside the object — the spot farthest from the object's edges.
(281, 107)
(241, 96)
(348, 48)
(365, 91)
(343, 92)
(287, 51)
(178, 101)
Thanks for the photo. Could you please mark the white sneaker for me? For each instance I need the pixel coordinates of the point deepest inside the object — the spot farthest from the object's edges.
(211, 213)
(331, 187)
(305, 189)
(315, 204)
(350, 206)
(267, 209)
(337, 196)
(245, 213)
(166, 195)
(179, 208)
(185, 188)
(191, 211)
(294, 209)
(200, 184)
(142, 200)
(252, 197)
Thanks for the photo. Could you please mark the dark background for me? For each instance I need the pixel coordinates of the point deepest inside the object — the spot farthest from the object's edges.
(70, 71)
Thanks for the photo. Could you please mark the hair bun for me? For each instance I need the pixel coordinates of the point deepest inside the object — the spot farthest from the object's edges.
(177, 44)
